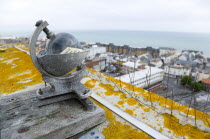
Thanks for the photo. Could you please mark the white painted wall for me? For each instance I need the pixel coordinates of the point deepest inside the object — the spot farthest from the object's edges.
(201, 76)
(182, 57)
(140, 79)
(157, 64)
(168, 59)
(94, 50)
(177, 70)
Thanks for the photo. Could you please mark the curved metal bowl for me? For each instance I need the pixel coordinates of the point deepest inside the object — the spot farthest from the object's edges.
(61, 64)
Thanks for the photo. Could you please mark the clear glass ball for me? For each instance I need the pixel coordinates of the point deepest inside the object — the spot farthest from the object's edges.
(60, 42)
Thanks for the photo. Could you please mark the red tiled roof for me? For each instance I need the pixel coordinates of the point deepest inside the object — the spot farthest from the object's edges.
(207, 81)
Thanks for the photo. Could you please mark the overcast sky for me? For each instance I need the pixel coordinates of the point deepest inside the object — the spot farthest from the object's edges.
(154, 15)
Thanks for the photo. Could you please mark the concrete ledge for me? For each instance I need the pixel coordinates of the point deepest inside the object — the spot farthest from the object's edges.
(20, 119)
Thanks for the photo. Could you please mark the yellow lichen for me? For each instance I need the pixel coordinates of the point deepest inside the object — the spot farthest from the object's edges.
(131, 101)
(161, 129)
(147, 109)
(17, 71)
(129, 111)
(90, 83)
(119, 130)
(98, 94)
(120, 102)
(122, 96)
(109, 90)
(171, 122)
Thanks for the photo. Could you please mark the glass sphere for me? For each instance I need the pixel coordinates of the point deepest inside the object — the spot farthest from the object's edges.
(60, 42)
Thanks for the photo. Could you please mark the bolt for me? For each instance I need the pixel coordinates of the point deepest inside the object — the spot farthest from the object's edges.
(86, 91)
(23, 129)
(46, 30)
(40, 92)
(12, 99)
(92, 133)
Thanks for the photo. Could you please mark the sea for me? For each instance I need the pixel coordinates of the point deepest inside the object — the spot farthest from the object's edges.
(178, 40)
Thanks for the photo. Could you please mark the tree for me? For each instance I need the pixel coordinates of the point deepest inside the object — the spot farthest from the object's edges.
(186, 80)
(197, 86)
(118, 69)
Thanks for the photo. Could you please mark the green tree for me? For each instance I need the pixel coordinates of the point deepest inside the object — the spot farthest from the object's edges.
(118, 69)
(197, 86)
(186, 80)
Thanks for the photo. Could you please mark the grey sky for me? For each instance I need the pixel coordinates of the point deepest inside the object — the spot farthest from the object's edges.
(155, 15)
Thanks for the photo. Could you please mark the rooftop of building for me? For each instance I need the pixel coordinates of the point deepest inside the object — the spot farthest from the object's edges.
(167, 54)
(18, 73)
(206, 81)
(166, 48)
(140, 74)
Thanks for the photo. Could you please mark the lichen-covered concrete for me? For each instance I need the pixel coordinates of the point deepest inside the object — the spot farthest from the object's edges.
(156, 113)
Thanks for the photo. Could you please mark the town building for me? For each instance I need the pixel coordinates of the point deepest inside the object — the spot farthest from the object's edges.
(145, 58)
(168, 57)
(156, 63)
(13, 39)
(97, 65)
(125, 49)
(165, 50)
(177, 70)
(41, 43)
(202, 75)
(144, 78)
(206, 84)
(192, 58)
(94, 49)
(131, 66)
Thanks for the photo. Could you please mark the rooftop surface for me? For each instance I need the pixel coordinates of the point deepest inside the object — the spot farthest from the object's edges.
(207, 81)
(132, 64)
(19, 73)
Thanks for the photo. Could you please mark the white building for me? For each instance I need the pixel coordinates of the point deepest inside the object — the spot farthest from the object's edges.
(121, 58)
(184, 57)
(168, 57)
(165, 50)
(95, 49)
(143, 78)
(177, 70)
(109, 57)
(200, 76)
(156, 62)
(131, 65)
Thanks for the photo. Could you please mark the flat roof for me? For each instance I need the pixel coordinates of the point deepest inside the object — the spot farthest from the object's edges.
(132, 64)
(139, 74)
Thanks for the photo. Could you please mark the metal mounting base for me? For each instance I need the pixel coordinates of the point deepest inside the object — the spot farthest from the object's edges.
(64, 88)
